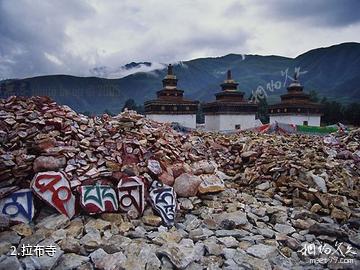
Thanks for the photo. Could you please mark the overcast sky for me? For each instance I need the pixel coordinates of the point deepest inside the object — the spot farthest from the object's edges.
(39, 37)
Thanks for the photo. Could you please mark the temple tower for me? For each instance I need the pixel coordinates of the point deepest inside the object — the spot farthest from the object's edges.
(170, 105)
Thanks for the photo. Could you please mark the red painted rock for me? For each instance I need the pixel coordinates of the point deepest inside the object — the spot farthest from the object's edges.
(98, 198)
(186, 185)
(48, 163)
(131, 193)
(54, 189)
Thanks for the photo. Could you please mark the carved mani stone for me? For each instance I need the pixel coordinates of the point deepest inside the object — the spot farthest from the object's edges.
(131, 194)
(54, 188)
(98, 199)
(19, 206)
(163, 199)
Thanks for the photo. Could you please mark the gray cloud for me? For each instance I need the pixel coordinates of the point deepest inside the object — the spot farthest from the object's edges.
(33, 36)
(329, 13)
(81, 37)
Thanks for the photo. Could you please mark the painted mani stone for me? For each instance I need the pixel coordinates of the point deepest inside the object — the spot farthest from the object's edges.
(19, 206)
(163, 199)
(131, 194)
(98, 199)
(54, 188)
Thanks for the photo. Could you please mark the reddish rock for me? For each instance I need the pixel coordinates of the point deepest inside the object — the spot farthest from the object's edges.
(180, 168)
(44, 144)
(167, 179)
(186, 185)
(48, 163)
(202, 167)
(211, 183)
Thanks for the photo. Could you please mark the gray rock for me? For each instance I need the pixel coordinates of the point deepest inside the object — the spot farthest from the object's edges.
(234, 233)
(230, 264)
(259, 211)
(70, 261)
(97, 255)
(320, 182)
(141, 256)
(97, 224)
(139, 232)
(327, 229)
(281, 262)
(10, 263)
(261, 251)
(200, 234)
(91, 240)
(104, 261)
(4, 221)
(212, 248)
(266, 232)
(355, 239)
(58, 235)
(186, 204)
(86, 266)
(5, 247)
(229, 241)
(283, 228)
(53, 222)
(263, 186)
(70, 245)
(279, 217)
(166, 263)
(10, 236)
(30, 263)
(182, 254)
(115, 243)
(239, 217)
(191, 222)
(228, 253)
(33, 239)
(253, 238)
(196, 266)
(46, 261)
(245, 261)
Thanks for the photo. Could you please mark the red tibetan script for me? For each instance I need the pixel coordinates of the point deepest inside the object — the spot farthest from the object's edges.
(47, 182)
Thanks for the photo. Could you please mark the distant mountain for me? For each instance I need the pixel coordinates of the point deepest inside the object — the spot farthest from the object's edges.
(137, 64)
(333, 72)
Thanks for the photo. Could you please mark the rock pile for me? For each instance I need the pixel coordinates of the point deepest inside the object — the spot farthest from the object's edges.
(125, 192)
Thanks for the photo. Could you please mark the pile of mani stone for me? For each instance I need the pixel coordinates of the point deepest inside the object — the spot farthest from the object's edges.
(125, 192)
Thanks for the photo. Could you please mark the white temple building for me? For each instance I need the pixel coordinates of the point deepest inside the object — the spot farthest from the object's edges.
(230, 111)
(296, 107)
(170, 106)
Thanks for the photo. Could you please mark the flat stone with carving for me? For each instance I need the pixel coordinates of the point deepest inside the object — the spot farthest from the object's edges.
(131, 194)
(97, 198)
(19, 206)
(54, 188)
